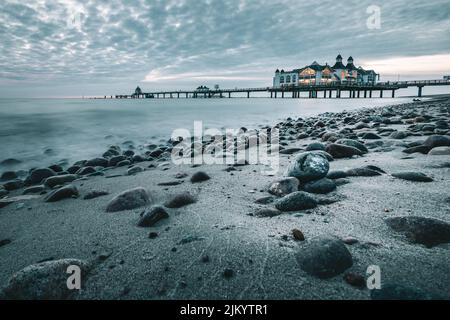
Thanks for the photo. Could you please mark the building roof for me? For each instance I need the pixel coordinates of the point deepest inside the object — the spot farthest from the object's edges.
(350, 66)
(338, 65)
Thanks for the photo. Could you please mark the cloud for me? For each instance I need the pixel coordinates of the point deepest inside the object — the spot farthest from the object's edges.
(411, 66)
(82, 44)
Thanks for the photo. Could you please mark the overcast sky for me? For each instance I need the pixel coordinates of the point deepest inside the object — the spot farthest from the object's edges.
(74, 48)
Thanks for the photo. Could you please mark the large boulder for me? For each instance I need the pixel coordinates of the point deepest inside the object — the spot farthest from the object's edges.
(44, 281)
(296, 201)
(324, 257)
(129, 199)
(308, 166)
(427, 231)
(284, 186)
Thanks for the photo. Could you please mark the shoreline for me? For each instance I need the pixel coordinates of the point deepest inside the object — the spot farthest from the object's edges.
(216, 245)
(48, 149)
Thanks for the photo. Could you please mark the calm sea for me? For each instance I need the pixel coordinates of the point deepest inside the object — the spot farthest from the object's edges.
(41, 132)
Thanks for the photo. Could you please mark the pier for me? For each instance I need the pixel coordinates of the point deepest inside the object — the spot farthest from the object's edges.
(325, 90)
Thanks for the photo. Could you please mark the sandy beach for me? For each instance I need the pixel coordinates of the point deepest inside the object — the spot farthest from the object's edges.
(380, 196)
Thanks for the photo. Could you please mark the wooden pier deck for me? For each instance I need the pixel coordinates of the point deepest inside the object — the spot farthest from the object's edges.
(328, 90)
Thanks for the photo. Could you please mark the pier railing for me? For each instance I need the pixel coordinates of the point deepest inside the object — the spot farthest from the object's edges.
(354, 88)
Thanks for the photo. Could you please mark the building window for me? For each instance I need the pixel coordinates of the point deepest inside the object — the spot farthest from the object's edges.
(288, 79)
(281, 79)
(294, 78)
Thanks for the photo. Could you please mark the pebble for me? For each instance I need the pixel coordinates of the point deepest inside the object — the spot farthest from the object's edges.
(283, 186)
(322, 186)
(315, 146)
(370, 136)
(95, 194)
(298, 235)
(353, 143)
(86, 171)
(336, 174)
(180, 200)
(199, 176)
(228, 273)
(38, 175)
(44, 281)
(427, 231)
(13, 185)
(10, 162)
(437, 141)
(308, 166)
(398, 135)
(417, 149)
(129, 199)
(153, 235)
(412, 176)
(362, 172)
(296, 201)
(355, 280)
(134, 170)
(60, 180)
(97, 162)
(439, 151)
(267, 212)
(8, 175)
(152, 216)
(324, 257)
(5, 242)
(265, 200)
(68, 191)
(170, 183)
(116, 160)
(339, 151)
(350, 240)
